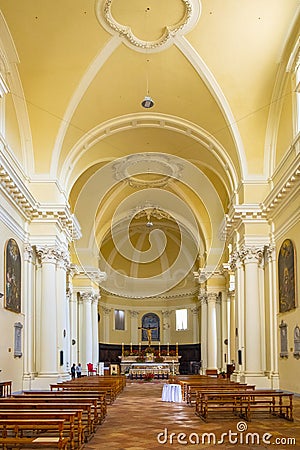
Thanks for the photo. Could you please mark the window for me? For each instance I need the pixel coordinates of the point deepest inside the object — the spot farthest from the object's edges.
(119, 319)
(181, 319)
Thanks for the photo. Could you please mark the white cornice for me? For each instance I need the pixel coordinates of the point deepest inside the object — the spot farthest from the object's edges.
(286, 188)
(18, 194)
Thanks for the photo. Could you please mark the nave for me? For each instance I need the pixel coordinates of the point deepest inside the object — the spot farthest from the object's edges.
(138, 415)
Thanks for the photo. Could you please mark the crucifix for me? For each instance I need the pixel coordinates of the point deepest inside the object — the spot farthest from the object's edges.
(149, 333)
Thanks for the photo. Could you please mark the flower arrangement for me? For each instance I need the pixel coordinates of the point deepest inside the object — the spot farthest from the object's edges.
(172, 353)
(140, 359)
(158, 359)
(149, 350)
(148, 377)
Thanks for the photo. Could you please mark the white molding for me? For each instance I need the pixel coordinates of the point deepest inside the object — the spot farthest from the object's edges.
(103, 10)
(138, 120)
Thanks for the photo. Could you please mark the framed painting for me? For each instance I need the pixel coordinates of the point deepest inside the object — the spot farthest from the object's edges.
(12, 299)
(286, 276)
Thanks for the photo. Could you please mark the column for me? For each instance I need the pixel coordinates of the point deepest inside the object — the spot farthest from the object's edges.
(62, 328)
(134, 336)
(106, 324)
(68, 334)
(203, 303)
(195, 315)
(166, 326)
(232, 351)
(95, 331)
(48, 313)
(225, 330)
(29, 298)
(86, 331)
(73, 305)
(220, 357)
(272, 316)
(253, 361)
(211, 330)
(237, 333)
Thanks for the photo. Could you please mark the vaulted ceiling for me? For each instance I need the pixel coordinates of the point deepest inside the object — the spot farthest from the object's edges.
(210, 68)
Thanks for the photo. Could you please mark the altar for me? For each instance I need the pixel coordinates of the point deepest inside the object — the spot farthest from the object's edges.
(169, 366)
(140, 370)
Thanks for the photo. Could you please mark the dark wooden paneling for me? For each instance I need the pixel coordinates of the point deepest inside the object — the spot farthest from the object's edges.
(189, 361)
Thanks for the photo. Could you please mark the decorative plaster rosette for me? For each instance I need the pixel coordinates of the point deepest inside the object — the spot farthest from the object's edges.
(105, 16)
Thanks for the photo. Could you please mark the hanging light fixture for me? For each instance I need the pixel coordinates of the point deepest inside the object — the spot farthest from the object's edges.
(147, 102)
(149, 223)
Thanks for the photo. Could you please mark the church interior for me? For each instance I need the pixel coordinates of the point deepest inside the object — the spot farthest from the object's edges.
(149, 201)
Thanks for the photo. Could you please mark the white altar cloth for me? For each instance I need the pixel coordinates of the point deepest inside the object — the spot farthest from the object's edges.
(171, 393)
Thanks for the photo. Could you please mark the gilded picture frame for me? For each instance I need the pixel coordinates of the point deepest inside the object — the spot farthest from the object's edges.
(286, 276)
(12, 285)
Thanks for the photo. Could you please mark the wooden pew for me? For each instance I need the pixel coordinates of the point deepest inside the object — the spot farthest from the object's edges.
(191, 385)
(100, 398)
(244, 403)
(194, 388)
(5, 388)
(12, 433)
(86, 408)
(65, 402)
(108, 391)
(72, 424)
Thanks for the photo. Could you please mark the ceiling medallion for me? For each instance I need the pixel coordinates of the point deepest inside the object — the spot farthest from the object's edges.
(106, 18)
(147, 170)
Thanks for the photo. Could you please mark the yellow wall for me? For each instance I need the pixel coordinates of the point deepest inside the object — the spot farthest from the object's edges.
(289, 367)
(126, 336)
(11, 367)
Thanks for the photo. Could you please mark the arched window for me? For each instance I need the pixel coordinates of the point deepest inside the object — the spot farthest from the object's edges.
(151, 320)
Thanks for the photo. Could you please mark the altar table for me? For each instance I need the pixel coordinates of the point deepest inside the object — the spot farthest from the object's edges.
(171, 393)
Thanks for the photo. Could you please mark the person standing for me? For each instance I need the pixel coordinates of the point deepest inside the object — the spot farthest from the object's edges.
(73, 371)
(78, 370)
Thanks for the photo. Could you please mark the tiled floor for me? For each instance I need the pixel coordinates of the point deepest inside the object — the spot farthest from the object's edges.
(139, 420)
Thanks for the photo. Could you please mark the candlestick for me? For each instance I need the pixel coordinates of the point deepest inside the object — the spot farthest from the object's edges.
(159, 349)
(168, 349)
(122, 348)
(176, 348)
(130, 347)
(139, 346)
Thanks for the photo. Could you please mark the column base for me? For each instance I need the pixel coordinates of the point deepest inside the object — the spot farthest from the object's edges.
(258, 379)
(27, 381)
(43, 380)
(274, 379)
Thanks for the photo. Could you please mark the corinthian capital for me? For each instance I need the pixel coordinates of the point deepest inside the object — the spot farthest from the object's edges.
(28, 252)
(48, 254)
(63, 260)
(87, 296)
(252, 255)
(212, 296)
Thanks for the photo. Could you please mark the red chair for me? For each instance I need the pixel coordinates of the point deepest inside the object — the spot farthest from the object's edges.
(91, 370)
